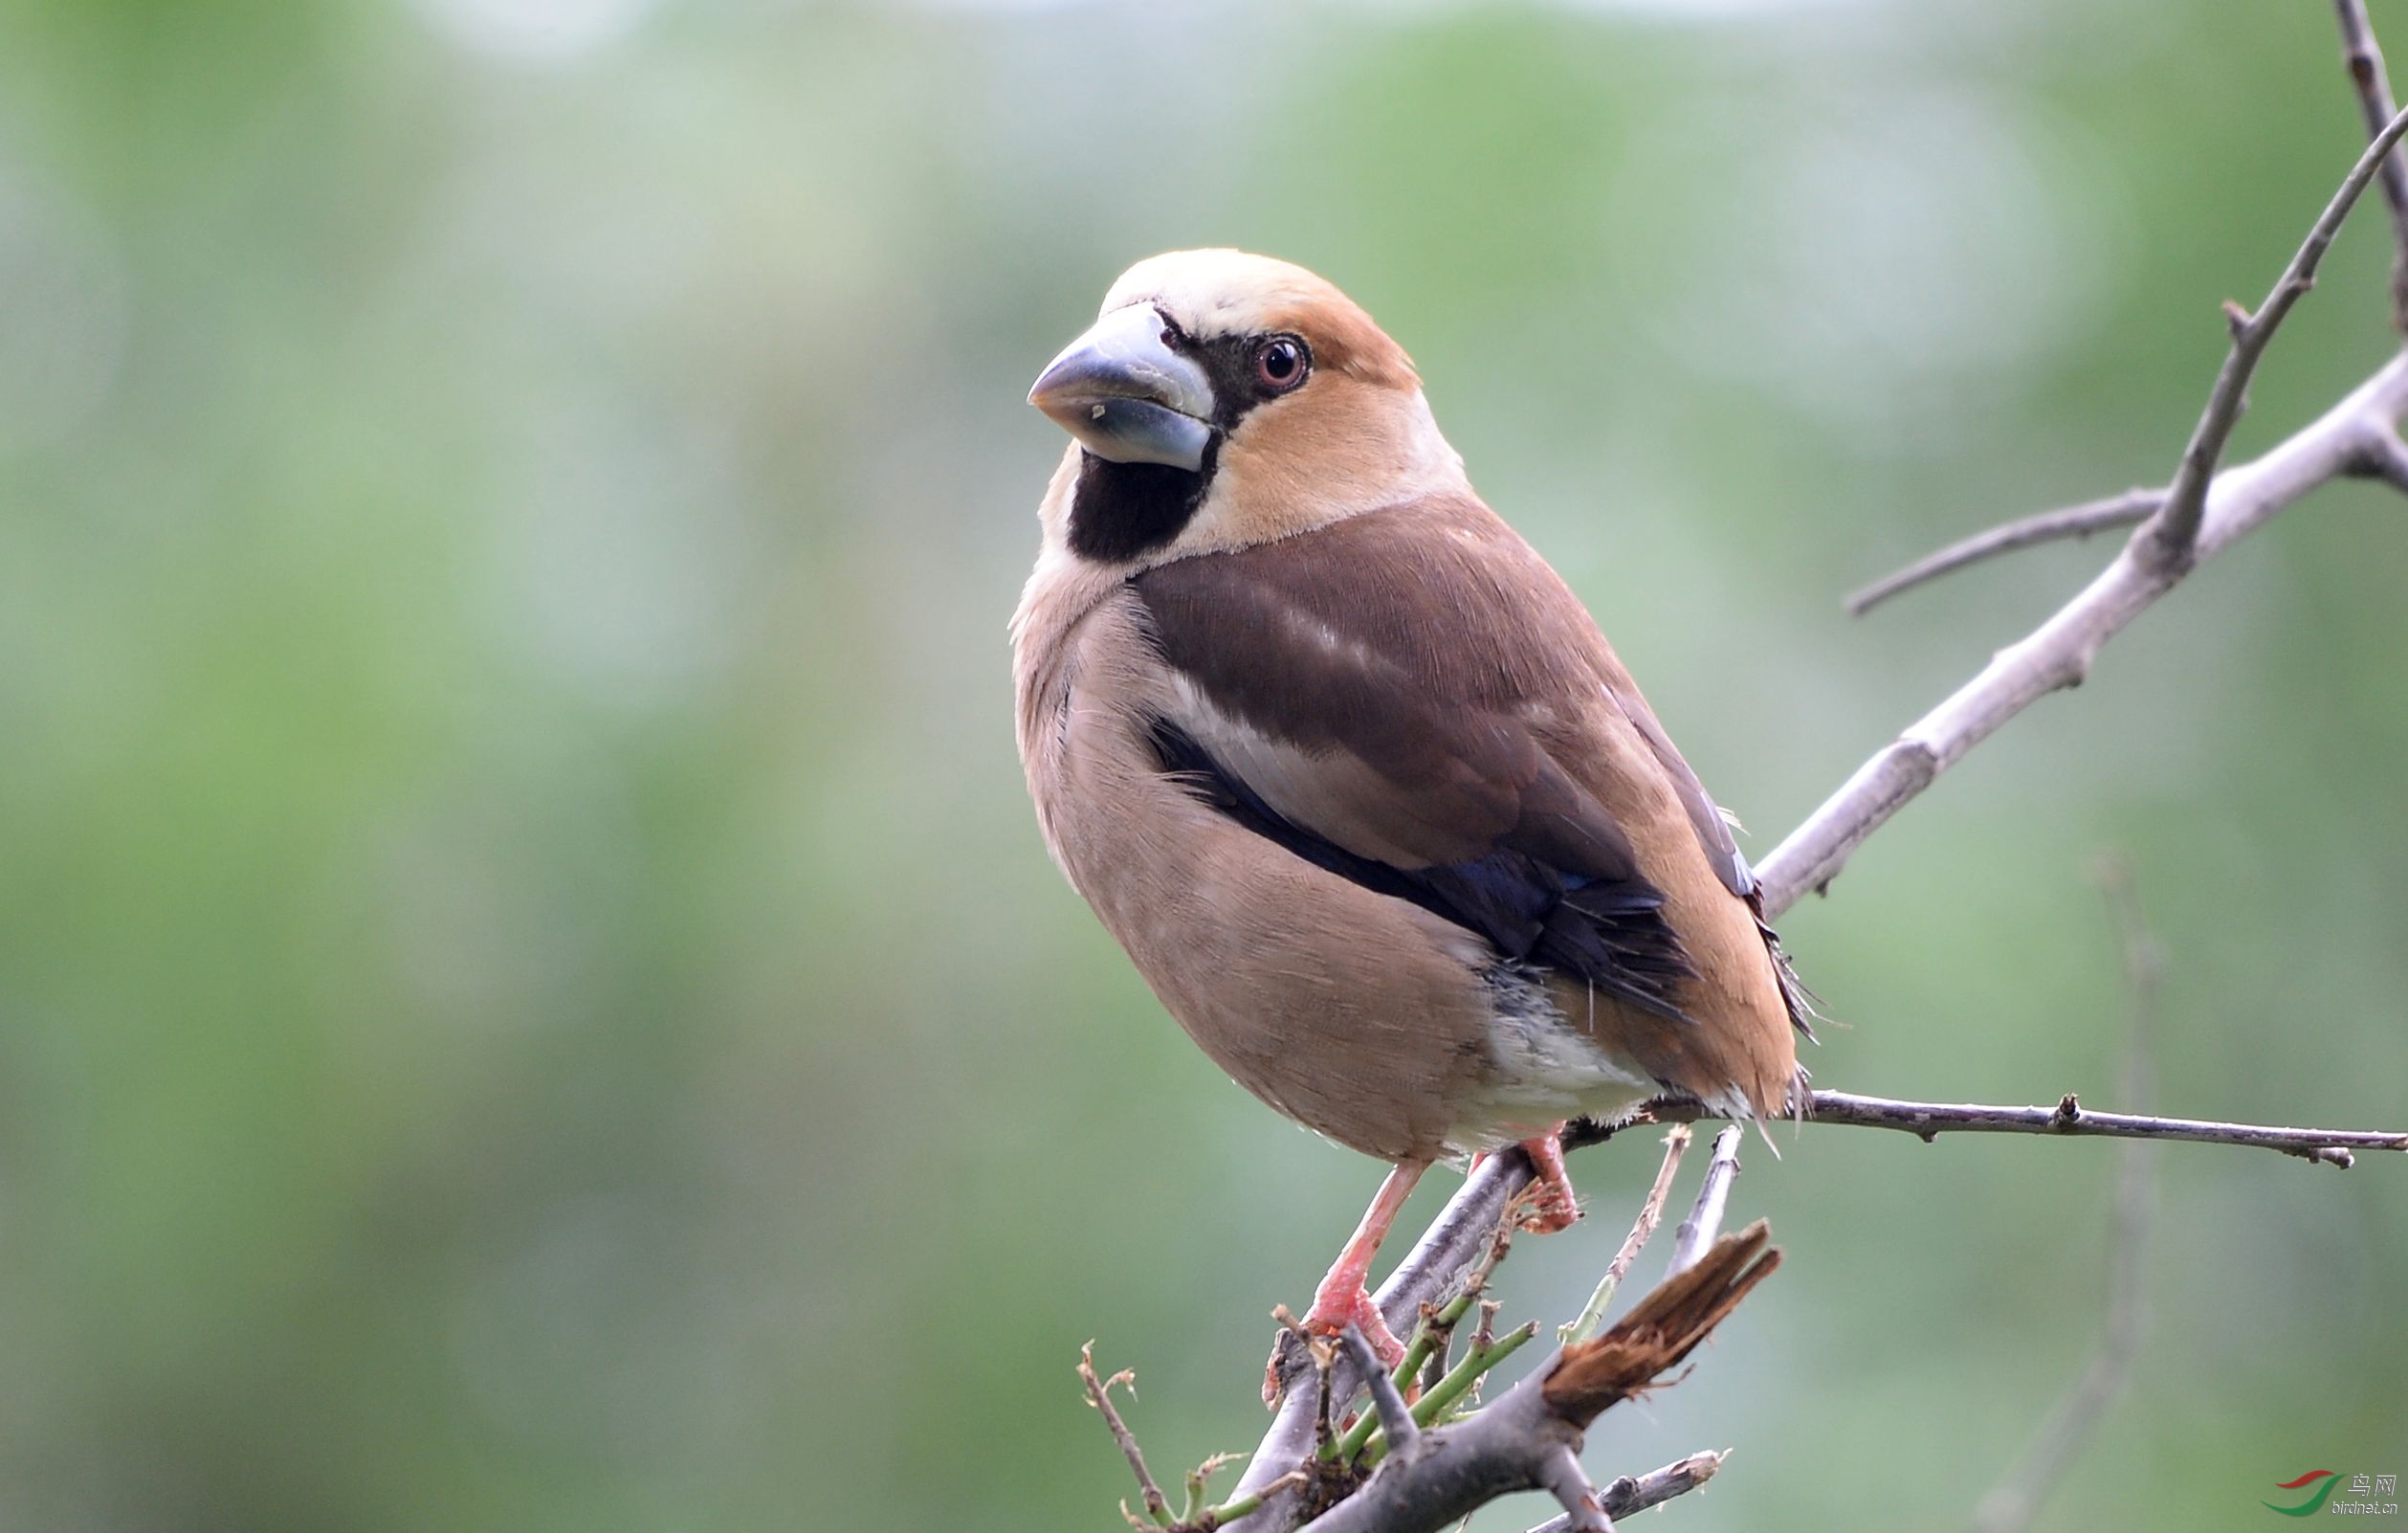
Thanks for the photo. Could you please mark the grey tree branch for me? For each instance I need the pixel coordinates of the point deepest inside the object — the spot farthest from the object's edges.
(2058, 653)
(2013, 1504)
(2365, 61)
(2123, 510)
(2204, 513)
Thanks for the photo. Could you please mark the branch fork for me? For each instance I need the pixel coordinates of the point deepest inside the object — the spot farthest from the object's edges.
(1530, 1436)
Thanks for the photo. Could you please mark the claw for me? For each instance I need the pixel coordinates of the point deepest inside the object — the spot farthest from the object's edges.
(1332, 1313)
(1555, 1208)
(1334, 1309)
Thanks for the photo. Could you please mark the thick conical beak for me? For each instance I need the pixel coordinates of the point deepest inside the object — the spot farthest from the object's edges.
(1127, 396)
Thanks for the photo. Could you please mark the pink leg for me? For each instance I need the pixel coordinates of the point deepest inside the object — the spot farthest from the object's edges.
(1343, 1299)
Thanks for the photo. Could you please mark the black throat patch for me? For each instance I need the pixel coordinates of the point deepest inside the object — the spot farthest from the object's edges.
(1120, 511)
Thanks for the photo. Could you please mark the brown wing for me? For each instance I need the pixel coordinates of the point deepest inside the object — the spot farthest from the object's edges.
(1411, 699)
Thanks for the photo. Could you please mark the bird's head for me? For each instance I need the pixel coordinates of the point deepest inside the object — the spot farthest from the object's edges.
(1224, 399)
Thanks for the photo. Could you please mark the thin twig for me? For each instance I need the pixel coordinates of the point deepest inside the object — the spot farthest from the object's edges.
(1651, 1213)
(2329, 1146)
(2016, 1499)
(1199, 1481)
(2365, 60)
(1248, 1502)
(1396, 1417)
(1326, 1402)
(1697, 1233)
(2165, 544)
(1484, 1333)
(2127, 509)
(1099, 1395)
(1636, 1492)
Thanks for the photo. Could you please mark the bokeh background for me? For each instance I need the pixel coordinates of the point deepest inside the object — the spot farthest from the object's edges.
(530, 995)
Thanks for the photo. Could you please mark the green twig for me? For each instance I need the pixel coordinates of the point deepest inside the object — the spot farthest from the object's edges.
(1458, 1383)
(1229, 1511)
(1421, 1350)
(1198, 1479)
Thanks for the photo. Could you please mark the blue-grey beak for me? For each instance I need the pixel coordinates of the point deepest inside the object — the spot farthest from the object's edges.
(1126, 395)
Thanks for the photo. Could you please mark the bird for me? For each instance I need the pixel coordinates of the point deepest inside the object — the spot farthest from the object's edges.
(1349, 771)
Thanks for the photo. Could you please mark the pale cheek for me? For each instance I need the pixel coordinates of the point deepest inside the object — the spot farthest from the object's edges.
(1305, 462)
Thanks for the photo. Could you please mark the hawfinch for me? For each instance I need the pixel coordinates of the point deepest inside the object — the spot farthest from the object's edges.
(1349, 770)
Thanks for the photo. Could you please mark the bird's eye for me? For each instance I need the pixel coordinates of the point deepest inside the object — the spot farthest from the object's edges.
(1280, 363)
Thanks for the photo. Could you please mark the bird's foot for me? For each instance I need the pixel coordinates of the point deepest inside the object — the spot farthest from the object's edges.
(1335, 1307)
(1553, 1205)
(1548, 1205)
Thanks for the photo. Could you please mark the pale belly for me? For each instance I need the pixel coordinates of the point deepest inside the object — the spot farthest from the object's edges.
(1543, 1068)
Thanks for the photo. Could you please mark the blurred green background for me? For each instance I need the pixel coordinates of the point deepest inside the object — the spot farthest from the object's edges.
(530, 995)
